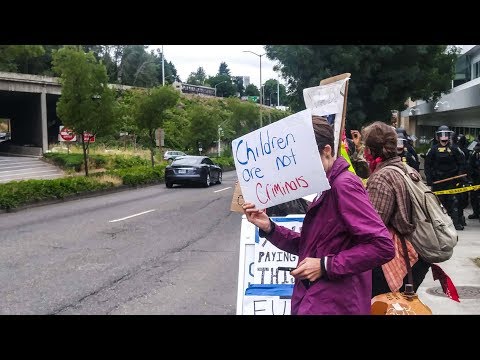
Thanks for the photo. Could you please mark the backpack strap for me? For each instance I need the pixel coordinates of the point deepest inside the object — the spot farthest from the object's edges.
(402, 239)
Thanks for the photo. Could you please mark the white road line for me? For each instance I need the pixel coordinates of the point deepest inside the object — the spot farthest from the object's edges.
(222, 189)
(131, 216)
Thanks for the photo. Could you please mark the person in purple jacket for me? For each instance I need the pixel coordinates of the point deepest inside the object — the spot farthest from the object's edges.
(342, 239)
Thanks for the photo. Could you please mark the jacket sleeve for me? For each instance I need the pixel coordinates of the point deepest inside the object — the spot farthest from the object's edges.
(373, 243)
(284, 238)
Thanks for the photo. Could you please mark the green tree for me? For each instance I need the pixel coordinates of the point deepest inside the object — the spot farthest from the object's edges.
(383, 76)
(16, 58)
(252, 90)
(238, 82)
(203, 127)
(151, 111)
(87, 104)
(223, 69)
(271, 90)
(198, 77)
(245, 117)
(138, 68)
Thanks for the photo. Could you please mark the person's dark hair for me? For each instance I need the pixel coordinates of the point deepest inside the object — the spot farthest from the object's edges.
(323, 133)
(381, 139)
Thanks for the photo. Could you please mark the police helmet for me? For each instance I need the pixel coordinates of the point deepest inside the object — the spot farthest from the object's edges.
(401, 141)
(443, 133)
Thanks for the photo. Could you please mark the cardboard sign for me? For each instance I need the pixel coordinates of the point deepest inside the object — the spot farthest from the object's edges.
(237, 199)
(329, 100)
(279, 162)
(262, 292)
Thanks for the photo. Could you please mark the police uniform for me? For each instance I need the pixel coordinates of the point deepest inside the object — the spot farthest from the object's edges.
(474, 172)
(442, 162)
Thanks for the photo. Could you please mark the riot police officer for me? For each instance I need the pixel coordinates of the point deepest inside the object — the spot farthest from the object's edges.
(444, 161)
(404, 154)
(408, 143)
(474, 172)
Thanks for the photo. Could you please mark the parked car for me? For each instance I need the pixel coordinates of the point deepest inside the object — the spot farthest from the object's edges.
(172, 155)
(191, 169)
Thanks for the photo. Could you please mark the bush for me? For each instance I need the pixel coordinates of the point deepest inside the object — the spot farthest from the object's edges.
(75, 161)
(140, 174)
(226, 163)
(16, 193)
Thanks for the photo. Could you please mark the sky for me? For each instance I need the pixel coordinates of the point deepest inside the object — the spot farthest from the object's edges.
(188, 58)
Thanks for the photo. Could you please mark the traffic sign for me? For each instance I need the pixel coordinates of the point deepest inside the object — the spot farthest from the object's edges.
(253, 98)
(66, 134)
(87, 137)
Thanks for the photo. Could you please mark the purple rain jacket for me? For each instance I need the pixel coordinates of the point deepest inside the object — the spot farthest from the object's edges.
(344, 226)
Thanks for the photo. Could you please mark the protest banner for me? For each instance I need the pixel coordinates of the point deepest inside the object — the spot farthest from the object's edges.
(279, 162)
(263, 288)
(329, 100)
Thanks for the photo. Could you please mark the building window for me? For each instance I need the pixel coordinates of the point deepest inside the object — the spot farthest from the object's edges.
(476, 70)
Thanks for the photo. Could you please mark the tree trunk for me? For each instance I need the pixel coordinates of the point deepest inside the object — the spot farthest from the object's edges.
(85, 156)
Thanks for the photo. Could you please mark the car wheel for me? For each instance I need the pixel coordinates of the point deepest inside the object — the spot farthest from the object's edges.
(169, 184)
(219, 181)
(207, 181)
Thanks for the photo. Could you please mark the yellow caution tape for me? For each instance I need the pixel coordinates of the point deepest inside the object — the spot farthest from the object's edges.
(457, 190)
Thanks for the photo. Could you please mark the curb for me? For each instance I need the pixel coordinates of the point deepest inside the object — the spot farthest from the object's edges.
(78, 196)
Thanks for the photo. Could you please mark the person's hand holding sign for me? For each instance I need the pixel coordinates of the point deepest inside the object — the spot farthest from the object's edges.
(257, 217)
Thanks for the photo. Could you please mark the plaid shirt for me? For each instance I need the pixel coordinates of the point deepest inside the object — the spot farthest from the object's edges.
(388, 193)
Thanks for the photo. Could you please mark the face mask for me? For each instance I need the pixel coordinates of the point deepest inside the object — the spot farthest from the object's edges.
(372, 162)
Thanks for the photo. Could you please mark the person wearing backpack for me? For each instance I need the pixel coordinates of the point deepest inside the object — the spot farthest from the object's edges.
(444, 161)
(389, 195)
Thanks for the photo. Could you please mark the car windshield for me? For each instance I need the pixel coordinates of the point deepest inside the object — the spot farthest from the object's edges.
(186, 160)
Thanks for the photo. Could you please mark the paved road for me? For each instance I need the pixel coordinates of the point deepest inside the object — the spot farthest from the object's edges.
(90, 257)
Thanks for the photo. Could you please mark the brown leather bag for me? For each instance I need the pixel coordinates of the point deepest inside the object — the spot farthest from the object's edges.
(397, 303)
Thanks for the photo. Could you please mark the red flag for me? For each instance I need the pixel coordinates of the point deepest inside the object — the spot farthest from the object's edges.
(447, 285)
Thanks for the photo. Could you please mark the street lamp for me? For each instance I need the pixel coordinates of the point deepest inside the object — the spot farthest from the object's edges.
(260, 56)
(221, 82)
(163, 68)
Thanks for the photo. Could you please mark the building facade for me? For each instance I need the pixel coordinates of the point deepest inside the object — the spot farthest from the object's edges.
(459, 109)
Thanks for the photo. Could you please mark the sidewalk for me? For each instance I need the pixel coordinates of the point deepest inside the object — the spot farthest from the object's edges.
(463, 272)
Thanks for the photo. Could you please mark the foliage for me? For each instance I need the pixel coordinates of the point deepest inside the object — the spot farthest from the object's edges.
(225, 162)
(87, 103)
(16, 193)
(198, 77)
(16, 58)
(141, 174)
(151, 111)
(271, 89)
(252, 90)
(383, 76)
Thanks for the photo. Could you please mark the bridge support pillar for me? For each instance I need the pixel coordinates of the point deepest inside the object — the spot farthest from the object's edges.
(43, 110)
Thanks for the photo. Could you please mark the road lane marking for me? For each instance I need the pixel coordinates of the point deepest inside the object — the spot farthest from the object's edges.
(222, 189)
(131, 216)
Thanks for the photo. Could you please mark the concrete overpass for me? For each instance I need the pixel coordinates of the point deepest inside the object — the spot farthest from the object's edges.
(30, 102)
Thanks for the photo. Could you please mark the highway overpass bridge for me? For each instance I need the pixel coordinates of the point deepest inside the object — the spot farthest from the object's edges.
(30, 102)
